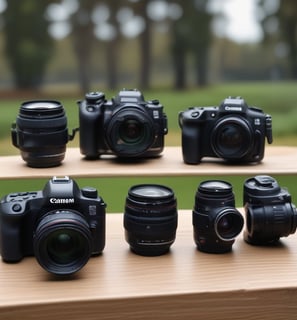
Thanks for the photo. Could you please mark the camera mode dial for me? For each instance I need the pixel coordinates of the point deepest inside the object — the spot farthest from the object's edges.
(94, 97)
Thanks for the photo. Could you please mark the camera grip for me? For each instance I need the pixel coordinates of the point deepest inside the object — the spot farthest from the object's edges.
(10, 238)
(89, 120)
(190, 144)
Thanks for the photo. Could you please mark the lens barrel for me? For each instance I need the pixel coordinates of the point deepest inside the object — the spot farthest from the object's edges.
(216, 221)
(62, 242)
(150, 219)
(40, 132)
(269, 212)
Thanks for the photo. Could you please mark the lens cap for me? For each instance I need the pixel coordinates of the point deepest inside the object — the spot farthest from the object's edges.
(261, 185)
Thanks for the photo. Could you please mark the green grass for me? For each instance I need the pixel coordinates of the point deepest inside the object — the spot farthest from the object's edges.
(276, 98)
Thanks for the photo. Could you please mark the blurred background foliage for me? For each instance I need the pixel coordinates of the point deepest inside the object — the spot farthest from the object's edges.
(183, 53)
(143, 43)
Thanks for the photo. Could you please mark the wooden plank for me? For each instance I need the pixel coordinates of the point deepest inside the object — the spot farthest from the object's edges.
(278, 160)
(257, 282)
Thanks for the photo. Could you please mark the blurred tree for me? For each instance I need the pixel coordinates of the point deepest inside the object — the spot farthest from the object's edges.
(280, 25)
(27, 43)
(288, 23)
(191, 34)
(145, 44)
(112, 49)
(83, 39)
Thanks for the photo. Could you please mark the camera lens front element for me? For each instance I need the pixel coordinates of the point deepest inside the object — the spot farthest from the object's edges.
(62, 242)
(232, 138)
(150, 219)
(130, 132)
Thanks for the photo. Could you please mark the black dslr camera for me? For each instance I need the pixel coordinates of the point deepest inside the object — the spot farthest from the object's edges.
(62, 226)
(270, 214)
(233, 131)
(126, 126)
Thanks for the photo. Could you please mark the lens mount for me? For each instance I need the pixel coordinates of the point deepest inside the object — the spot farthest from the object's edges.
(232, 138)
(228, 224)
(62, 242)
(130, 132)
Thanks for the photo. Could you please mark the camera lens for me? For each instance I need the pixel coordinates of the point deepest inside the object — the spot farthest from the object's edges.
(232, 138)
(130, 132)
(150, 219)
(228, 224)
(270, 214)
(40, 132)
(216, 221)
(62, 242)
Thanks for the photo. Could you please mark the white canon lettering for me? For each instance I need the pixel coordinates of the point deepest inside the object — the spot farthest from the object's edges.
(61, 200)
(233, 108)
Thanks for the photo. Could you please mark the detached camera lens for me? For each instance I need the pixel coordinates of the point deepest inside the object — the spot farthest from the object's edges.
(150, 219)
(40, 132)
(216, 221)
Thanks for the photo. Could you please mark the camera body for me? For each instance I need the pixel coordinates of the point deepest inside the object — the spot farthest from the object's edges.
(270, 213)
(232, 131)
(126, 126)
(216, 221)
(33, 223)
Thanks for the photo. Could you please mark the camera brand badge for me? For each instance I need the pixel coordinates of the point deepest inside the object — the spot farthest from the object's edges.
(233, 108)
(61, 200)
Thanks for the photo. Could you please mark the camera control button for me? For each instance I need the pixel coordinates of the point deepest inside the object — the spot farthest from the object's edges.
(17, 207)
(89, 192)
(195, 114)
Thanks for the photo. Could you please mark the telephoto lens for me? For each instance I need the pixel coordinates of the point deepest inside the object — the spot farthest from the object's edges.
(216, 221)
(40, 132)
(150, 219)
(269, 212)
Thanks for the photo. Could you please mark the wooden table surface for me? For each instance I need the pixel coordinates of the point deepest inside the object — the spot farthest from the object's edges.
(277, 160)
(249, 283)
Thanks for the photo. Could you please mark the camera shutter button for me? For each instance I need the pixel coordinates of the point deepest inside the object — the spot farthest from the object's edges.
(195, 114)
(89, 192)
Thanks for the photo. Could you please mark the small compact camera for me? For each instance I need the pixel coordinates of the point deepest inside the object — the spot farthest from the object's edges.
(233, 131)
(62, 226)
(150, 219)
(216, 221)
(270, 214)
(126, 126)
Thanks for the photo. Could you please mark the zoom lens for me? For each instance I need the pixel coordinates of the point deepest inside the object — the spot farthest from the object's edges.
(40, 132)
(216, 221)
(130, 132)
(232, 138)
(62, 242)
(150, 219)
